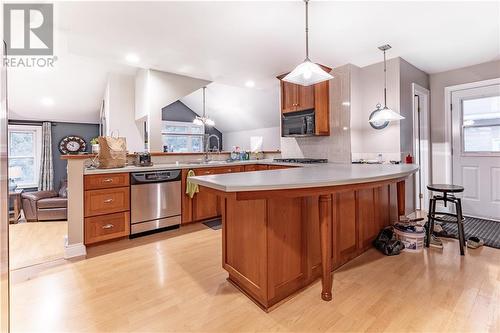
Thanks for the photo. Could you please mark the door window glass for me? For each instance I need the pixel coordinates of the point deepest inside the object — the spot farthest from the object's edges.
(481, 124)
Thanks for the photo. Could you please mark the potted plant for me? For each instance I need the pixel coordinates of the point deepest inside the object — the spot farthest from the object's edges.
(95, 145)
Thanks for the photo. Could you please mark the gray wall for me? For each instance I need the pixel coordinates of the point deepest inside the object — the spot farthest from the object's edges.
(178, 111)
(408, 74)
(438, 81)
(59, 131)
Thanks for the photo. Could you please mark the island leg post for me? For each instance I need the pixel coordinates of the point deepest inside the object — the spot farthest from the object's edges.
(325, 229)
(400, 186)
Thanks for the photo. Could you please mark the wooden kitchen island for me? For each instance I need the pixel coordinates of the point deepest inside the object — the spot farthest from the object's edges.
(283, 229)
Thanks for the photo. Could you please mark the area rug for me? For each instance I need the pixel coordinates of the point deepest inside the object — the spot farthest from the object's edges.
(487, 230)
(215, 224)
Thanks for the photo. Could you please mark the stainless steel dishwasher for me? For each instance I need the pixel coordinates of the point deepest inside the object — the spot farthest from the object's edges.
(155, 201)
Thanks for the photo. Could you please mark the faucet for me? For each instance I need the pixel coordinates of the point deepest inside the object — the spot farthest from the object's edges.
(207, 145)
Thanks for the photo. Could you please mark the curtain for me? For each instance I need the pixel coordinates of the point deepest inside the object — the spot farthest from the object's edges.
(46, 179)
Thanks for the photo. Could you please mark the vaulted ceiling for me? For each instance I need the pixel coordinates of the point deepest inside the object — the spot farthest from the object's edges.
(232, 42)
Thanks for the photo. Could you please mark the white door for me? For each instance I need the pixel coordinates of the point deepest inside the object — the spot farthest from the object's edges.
(476, 149)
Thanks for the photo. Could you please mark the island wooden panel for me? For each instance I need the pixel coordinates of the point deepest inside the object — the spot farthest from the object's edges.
(271, 245)
(245, 254)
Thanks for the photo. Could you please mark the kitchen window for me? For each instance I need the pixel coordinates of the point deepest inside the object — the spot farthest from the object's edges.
(481, 125)
(25, 154)
(182, 137)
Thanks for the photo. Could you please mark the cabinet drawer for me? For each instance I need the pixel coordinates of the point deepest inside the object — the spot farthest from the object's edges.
(93, 182)
(255, 167)
(229, 169)
(106, 201)
(105, 227)
(204, 171)
(251, 167)
(277, 167)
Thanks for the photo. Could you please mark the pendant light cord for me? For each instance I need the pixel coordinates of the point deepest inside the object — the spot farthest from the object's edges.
(385, 82)
(307, 29)
(204, 102)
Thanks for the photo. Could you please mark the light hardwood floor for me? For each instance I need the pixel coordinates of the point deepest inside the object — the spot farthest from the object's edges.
(175, 283)
(32, 243)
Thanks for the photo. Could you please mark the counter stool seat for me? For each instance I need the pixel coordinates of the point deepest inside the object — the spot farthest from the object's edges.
(449, 188)
(446, 194)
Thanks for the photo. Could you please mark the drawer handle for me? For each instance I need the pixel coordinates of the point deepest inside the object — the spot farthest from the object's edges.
(108, 226)
(230, 170)
(108, 200)
(107, 180)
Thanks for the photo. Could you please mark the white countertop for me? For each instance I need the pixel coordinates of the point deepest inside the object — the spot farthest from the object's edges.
(182, 165)
(317, 175)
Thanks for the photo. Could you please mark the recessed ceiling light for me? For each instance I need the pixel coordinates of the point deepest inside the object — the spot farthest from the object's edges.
(47, 101)
(250, 84)
(132, 58)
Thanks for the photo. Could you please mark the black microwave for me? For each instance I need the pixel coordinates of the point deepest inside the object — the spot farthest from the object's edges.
(299, 123)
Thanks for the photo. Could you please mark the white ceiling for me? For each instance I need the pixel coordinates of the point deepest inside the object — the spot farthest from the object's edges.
(232, 42)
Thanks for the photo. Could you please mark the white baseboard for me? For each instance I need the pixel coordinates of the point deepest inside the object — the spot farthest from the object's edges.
(74, 250)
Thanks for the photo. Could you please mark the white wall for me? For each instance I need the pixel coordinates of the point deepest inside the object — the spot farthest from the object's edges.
(157, 89)
(141, 94)
(120, 112)
(271, 138)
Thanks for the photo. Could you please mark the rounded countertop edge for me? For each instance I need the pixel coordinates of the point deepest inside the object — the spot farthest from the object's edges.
(253, 188)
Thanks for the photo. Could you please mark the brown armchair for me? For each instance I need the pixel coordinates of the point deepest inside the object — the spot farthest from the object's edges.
(46, 205)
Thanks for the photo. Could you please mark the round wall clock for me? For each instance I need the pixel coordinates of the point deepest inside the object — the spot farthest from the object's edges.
(72, 144)
(377, 124)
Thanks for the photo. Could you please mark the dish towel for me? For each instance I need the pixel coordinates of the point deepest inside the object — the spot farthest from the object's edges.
(191, 188)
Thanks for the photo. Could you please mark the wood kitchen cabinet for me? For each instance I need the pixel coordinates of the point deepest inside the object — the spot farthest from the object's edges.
(296, 98)
(106, 207)
(255, 167)
(204, 205)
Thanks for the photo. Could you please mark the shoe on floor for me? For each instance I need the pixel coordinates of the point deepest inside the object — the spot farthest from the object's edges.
(474, 242)
(440, 232)
(436, 242)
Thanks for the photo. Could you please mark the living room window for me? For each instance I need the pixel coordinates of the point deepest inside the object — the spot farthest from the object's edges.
(24, 154)
(182, 137)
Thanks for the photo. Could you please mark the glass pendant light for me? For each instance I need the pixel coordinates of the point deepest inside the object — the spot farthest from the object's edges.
(204, 120)
(381, 117)
(307, 73)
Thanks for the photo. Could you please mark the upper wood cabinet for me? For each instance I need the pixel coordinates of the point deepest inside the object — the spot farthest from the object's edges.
(289, 97)
(295, 98)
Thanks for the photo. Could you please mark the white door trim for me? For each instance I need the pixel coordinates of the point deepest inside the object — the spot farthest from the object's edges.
(448, 120)
(421, 91)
